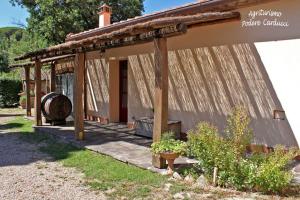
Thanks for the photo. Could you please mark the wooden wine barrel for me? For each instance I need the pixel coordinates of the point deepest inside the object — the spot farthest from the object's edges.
(56, 108)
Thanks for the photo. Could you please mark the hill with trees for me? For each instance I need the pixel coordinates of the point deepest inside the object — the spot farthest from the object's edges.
(8, 35)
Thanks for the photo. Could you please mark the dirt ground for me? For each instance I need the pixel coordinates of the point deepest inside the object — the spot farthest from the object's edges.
(26, 173)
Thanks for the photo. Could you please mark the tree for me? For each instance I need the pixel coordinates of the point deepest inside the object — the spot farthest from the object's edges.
(29, 42)
(4, 43)
(7, 34)
(54, 19)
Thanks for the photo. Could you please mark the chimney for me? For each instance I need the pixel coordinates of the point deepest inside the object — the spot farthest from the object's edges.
(104, 15)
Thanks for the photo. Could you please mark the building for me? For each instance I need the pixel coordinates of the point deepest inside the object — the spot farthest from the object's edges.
(189, 64)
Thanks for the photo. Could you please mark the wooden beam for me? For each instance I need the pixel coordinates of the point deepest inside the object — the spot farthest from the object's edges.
(106, 42)
(85, 100)
(192, 9)
(78, 95)
(57, 59)
(161, 93)
(161, 88)
(38, 93)
(52, 78)
(27, 83)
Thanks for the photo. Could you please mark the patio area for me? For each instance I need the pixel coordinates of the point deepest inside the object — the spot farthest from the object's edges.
(114, 140)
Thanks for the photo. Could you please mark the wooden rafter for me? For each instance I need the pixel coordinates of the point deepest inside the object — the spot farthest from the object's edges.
(46, 61)
(130, 35)
(189, 9)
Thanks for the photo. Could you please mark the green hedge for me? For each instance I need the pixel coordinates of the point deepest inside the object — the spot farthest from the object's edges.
(10, 87)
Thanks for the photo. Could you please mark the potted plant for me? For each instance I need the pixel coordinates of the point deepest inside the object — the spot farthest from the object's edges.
(169, 149)
(22, 101)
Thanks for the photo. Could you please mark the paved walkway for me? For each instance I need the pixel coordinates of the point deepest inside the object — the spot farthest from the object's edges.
(26, 173)
(120, 143)
(114, 140)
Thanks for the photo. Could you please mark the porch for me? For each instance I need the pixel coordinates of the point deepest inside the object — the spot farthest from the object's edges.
(114, 140)
(157, 32)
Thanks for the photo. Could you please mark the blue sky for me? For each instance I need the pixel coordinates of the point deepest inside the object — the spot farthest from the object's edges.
(10, 14)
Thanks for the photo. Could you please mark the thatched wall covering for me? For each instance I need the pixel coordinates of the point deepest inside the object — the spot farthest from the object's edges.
(97, 87)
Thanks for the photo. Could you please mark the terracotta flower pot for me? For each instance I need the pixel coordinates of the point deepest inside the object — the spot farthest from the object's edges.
(23, 104)
(170, 157)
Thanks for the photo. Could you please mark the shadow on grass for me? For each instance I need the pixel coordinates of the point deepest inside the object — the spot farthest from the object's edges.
(13, 152)
(11, 115)
(49, 145)
(11, 126)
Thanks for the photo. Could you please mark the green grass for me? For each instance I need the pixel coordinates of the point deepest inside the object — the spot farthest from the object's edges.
(101, 172)
(19, 124)
(105, 173)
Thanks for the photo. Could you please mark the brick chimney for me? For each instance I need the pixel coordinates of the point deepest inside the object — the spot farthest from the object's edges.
(104, 15)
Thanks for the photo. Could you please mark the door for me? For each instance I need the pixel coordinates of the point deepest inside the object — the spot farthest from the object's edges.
(123, 91)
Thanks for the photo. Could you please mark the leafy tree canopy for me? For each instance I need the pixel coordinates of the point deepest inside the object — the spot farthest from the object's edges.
(16, 41)
(28, 42)
(7, 36)
(54, 19)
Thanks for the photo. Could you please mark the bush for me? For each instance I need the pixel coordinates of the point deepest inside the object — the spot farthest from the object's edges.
(204, 144)
(262, 172)
(10, 87)
(272, 175)
(238, 132)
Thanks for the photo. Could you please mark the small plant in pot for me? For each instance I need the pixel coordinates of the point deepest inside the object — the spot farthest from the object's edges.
(22, 101)
(169, 148)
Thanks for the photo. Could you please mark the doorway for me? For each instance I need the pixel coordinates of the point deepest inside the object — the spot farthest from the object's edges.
(123, 104)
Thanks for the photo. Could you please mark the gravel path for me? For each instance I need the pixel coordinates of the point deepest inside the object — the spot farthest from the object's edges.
(26, 173)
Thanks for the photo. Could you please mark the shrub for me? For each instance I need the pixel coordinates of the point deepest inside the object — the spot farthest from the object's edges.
(10, 86)
(238, 131)
(169, 144)
(265, 173)
(205, 143)
(272, 175)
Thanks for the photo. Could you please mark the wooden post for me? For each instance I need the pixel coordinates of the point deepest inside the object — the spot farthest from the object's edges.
(38, 94)
(114, 89)
(85, 107)
(215, 176)
(161, 93)
(161, 88)
(52, 78)
(78, 95)
(27, 82)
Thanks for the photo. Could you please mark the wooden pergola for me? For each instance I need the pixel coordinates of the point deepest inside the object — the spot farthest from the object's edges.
(156, 31)
(37, 66)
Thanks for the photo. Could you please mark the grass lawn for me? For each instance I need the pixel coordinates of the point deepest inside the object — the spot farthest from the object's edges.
(102, 172)
(116, 179)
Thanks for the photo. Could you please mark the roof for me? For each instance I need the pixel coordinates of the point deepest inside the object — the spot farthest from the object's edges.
(187, 9)
(137, 33)
(107, 37)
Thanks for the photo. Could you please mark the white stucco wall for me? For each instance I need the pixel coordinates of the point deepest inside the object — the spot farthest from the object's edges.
(97, 86)
(282, 62)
